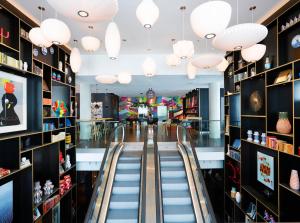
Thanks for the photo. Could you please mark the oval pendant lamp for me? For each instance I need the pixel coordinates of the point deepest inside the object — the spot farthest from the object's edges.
(56, 31)
(112, 41)
(124, 78)
(210, 18)
(106, 79)
(149, 67)
(207, 60)
(75, 60)
(147, 13)
(37, 37)
(90, 43)
(191, 71)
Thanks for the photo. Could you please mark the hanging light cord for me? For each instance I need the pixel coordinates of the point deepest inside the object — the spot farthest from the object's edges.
(183, 8)
(237, 12)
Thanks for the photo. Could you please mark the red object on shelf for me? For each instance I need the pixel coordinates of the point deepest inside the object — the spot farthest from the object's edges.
(47, 101)
(4, 172)
(50, 203)
(65, 184)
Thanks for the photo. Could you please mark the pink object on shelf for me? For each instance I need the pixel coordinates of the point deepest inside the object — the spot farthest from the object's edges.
(294, 180)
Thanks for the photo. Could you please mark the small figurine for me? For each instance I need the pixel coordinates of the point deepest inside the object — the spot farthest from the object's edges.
(48, 187)
(256, 137)
(263, 139)
(68, 162)
(37, 193)
(249, 133)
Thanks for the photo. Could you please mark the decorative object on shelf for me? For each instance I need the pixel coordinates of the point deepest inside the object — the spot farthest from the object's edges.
(48, 187)
(283, 124)
(251, 211)
(268, 63)
(53, 75)
(238, 197)
(61, 162)
(295, 43)
(21, 64)
(294, 180)
(252, 71)
(233, 192)
(68, 124)
(37, 192)
(112, 41)
(282, 28)
(263, 139)
(149, 67)
(256, 101)
(36, 214)
(37, 70)
(44, 51)
(283, 76)
(59, 108)
(24, 162)
(60, 66)
(70, 79)
(25, 66)
(254, 53)
(237, 88)
(56, 31)
(50, 203)
(210, 18)
(51, 50)
(58, 77)
(256, 137)
(147, 13)
(249, 133)
(66, 70)
(35, 52)
(68, 162)
(60, 136)
(236, 144)
(4, 172)
(65, 185)
(68, 138)
(265, 169)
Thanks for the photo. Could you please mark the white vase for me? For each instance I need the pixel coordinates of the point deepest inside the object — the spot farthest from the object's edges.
(25, 66)
(294, 180)
(238, 197)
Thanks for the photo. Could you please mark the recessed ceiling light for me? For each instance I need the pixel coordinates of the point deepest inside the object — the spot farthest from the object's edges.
(210, 36)
(83, 13)
(124, 40)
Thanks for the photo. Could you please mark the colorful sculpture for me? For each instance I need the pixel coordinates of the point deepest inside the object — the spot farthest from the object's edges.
(59, 108)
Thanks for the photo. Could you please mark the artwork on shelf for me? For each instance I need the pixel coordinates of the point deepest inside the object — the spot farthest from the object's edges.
(283, 76)
(13, 108)
(296, 42)
(256, 101)
(265, 169)
(59, 108)
(6, 208)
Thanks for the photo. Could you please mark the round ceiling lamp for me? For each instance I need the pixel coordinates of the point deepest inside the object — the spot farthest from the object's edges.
(56, 31)
(75, 60)
(37, 37)
(112, 41)
(254, 53)
(191, 71)
(90, 43)
(208, 60)
(147, 13)
(86, 11)
(240, 36)
(184, 49)
(149, 67)
(124, 78)
(210, 18)
(173, 60)
(106, 79)
(150, 94)
(223, 65)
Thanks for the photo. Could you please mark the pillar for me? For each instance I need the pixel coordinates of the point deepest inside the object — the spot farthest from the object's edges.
(85, 111)
(214, 110)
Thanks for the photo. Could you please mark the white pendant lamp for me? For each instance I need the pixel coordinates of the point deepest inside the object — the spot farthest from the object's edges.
(223, 65)
(147, 13)
(75, 60)
(106, 79)
(56, 31)
(240, 36)
(124, 78)
(173, 60)
(37, 37)
(210, 18)
(208, 60)
(86, 11)
(90, 43)
(191, 71)
(254, 53)
(112, 41)
(149, 67)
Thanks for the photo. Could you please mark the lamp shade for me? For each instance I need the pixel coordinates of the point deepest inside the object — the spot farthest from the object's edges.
(254, 53)
(112, 41)
(86, 11)
(173, 60)
(106, 79)
(147, 13)
(191, 70)
(240, 36)
(37, 37)
(75, 60)
(184, 49)
(124, 78)
(56, 31)
(149, 67)
(210, 18)
(207, 60)
(223, 65)
(90, 43)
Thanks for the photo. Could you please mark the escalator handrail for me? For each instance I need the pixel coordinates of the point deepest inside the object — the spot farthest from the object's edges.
(101, 171)
(201, 178)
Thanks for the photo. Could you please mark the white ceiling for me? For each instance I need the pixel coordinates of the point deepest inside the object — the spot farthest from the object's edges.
(167, 27)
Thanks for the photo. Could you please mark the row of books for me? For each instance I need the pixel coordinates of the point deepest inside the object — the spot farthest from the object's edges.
(10, 61)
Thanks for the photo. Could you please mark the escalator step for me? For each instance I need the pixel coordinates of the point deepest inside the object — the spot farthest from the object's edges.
(178, 213)
(171, 163)
(122, 216)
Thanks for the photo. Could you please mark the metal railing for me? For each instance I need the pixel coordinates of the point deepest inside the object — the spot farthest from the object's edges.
(116, 138)
(185, 140)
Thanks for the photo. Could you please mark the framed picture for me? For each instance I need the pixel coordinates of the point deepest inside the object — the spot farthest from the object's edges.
(6, 208)
(265, 170)
(13, 105)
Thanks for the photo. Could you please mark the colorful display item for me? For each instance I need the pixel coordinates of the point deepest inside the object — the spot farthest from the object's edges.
(265, 170)
(59, 108)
